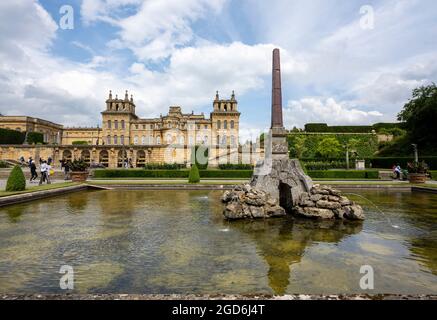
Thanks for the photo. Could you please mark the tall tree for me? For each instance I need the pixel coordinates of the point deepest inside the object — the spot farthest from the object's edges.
(328, 147)
(420, 116)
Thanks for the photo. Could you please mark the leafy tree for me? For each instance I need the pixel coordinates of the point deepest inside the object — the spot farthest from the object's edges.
(297, 147)
(194, 176)
(328, 147)
(16, 180)
(420, 116)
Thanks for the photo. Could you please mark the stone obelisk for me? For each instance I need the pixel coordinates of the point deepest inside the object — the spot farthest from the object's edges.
(279, 141)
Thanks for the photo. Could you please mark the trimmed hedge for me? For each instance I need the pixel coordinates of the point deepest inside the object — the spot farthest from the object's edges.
(433, 174)
(230, 166)
(137, 173)
(35, 138)
(323, 127)
(79, 143)
(16, 180)
(8, 136)
(164, 166)
(326, 165)
(4, 164)
(343, 174)
(388, 162)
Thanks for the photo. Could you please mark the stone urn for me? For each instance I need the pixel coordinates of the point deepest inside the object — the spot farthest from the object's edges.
(417, 178)
(79, 176)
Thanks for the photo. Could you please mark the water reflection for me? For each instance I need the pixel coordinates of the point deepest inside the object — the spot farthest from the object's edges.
(177, 242)
(284, 244)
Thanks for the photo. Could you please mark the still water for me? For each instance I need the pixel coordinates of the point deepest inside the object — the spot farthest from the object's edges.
(121, 241)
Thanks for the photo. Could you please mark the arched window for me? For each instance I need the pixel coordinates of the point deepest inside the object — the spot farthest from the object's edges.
(190, 140)
(219, 124)
(181, 140)
(232, 140)
(158, 140)
(122, 124)
(150, 140)
(232, 124)
(143, 140)
(225, 124)
(108, 140)
(224, 140)
(136, 140)
(168, 138)
(115, 124)
(109, 124)
(115, 140)
(218, 139)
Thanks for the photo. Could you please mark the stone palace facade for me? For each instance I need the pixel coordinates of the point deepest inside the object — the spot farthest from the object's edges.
(123, 135)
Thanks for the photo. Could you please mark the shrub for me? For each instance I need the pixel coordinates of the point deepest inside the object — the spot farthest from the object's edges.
(78, 143)
(16, 180)
(138, 173)
(343, 174)
(164, 166)
(8, 136)
(194, 176)
(433, 174)
(4, 164)
(78, 165)
(325, 165)
(35, 137)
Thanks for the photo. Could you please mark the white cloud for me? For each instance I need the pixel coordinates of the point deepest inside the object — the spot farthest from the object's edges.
(306, 110)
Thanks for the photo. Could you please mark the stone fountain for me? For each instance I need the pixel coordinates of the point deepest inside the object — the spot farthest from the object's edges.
(279, 186)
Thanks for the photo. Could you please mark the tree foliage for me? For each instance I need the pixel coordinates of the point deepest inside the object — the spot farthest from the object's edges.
(328, 147)
(420, 116)
(194, 176)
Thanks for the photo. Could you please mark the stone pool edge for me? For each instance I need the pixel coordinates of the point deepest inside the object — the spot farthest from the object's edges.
(214, 297)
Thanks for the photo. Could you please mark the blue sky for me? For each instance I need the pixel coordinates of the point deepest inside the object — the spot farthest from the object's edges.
(338, 66)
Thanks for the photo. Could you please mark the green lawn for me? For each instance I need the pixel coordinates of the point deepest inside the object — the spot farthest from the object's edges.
(39, 188)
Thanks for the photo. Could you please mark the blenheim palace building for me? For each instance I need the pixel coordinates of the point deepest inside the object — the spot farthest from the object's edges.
(123, 135)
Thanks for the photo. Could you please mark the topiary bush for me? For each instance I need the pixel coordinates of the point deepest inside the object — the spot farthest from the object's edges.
(194, 176)
(16, 180)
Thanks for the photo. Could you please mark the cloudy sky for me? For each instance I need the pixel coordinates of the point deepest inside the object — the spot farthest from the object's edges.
(337, 66)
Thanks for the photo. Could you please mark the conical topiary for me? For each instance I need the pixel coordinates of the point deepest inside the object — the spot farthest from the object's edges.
(194, 176)
(16, 180)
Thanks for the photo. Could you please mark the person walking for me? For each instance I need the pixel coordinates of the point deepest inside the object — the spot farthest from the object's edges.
(33, 173)
(398, 171)
(67, 170)
(49, 172)
(43, 170)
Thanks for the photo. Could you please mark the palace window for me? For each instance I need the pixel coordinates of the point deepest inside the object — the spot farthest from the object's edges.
(190, 140)
(225, 124)
(143, 140)
(168, 138)
(232, 140)
(198, 127)
(136, 126)
(158, 140)
(136, 140)
(224, 140)
(206, 126)
(218, 140)
(181, 140)
(108, 140)
(219, 124)
(115, 124)
(232, 124)
(109, 124)
(121, 139)
(115, 140)
(122, 124)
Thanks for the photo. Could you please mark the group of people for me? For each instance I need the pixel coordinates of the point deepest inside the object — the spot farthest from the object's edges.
(45, 170)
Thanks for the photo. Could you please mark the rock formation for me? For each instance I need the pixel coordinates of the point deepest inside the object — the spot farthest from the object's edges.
(322, 202)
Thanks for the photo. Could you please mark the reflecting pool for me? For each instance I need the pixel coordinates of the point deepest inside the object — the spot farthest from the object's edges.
(137, 241)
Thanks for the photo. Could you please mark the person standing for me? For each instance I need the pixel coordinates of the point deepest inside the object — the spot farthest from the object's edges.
(43, 170)
(33, 173)
(67, 170)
